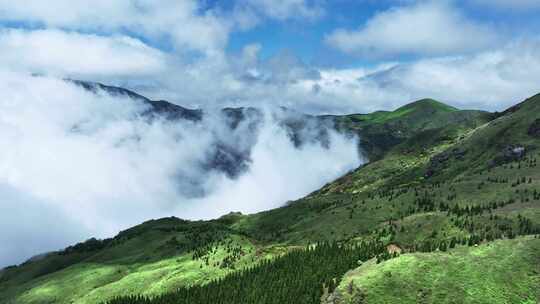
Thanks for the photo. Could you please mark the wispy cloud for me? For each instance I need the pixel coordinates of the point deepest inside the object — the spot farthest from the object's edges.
(285, 9)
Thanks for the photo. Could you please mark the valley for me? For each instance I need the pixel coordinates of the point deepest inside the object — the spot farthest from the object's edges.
(446, 211)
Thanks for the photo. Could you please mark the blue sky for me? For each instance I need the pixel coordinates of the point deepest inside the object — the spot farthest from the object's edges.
(314, 55)
(306, 37)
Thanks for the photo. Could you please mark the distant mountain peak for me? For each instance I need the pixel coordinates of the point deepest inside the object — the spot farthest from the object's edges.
(428, 104)
(170, 110)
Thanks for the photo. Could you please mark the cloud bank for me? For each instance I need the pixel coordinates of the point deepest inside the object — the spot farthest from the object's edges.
(71, 53)
(490, 80)
(426, 28)
(177, 50)
(96, 163)
(185, 24)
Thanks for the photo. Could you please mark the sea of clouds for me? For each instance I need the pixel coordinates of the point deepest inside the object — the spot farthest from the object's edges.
(76, 164)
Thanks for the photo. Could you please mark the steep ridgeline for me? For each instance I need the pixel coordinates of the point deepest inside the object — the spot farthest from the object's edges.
(234, 130)
(378, 131)
(444, 188)
(161, 107)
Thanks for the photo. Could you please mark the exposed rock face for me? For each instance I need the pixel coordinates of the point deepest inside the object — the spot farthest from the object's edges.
(333, 298)
(510, 153)
(513, 152)
(352, 294)
(393, 248)
(534, 129)
(436, 164)
(439, 161)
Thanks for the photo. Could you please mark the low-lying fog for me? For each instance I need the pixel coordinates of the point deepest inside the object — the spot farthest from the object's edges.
(75, 164)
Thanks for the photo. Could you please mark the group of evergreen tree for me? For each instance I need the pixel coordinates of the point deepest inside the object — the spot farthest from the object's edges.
(89, 245)
(234, 253)
(300, 276)
(522, 163)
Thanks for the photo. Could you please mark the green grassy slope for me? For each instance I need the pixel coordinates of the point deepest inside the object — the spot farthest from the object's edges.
(505, 271)
(463, 168)
(438, 175)
(380, 131)
(150, 259)
(418, 137)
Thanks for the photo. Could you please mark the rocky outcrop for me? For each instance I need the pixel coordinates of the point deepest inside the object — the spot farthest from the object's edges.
(439, 161)
(514, 152)
(333, 298)
(351, 294)
(508, 154)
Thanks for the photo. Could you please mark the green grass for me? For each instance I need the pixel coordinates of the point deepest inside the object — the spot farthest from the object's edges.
(416, 108)
(505, 271)
(354, 201)
(381, 131)
(94, 282)
(431, 104)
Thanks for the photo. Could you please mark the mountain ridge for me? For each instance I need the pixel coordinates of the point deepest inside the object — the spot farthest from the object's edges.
(380, 130)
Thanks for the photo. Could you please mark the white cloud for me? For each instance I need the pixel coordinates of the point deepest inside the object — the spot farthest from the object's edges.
(65, 13)
(286, 9)
(276, 169)
(189, 25)
(217, 80)
(425, 28)
(490, 80)
(183, 22)
(248, 80)
(73, 54)
(29, 226)
(97, 166)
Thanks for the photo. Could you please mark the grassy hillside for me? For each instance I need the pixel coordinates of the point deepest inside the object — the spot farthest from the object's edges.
(439, 177)
(152, 258)
(506, 271)
(381, 131)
